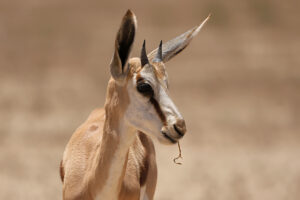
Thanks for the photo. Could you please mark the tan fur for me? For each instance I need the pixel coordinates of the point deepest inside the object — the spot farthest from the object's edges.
(86, 159)
(135, 66)
(106, 155)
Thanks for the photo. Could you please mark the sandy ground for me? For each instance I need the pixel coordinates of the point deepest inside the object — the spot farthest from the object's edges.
(237, 86)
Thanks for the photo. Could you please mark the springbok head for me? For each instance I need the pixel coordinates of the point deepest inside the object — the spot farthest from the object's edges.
(150, 108)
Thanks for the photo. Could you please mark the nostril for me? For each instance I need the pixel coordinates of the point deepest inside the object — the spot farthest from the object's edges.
(180, 132)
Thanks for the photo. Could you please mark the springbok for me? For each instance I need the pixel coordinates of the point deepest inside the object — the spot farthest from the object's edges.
(111, 155)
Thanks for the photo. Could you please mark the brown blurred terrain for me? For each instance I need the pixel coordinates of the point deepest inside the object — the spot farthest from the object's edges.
(237, 85)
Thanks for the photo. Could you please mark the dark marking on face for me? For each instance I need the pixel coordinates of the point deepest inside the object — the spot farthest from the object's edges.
(153, 101)
(158, 110)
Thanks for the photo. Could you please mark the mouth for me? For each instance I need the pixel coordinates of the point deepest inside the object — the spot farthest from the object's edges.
(168, 137)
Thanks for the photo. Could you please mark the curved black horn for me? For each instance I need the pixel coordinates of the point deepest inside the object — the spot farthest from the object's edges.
(158, 57)
(144, 58)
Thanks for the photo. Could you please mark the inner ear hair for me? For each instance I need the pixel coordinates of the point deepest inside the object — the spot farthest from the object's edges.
(123, 45)
(125, 40)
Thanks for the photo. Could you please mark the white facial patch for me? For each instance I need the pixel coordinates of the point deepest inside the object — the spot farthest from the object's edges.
(151, 115)
(140, 112)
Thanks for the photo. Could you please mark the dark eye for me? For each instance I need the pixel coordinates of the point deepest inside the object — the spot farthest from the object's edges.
(145, 89)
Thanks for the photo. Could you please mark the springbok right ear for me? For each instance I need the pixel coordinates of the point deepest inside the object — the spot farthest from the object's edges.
(176, 45)
(123, 45)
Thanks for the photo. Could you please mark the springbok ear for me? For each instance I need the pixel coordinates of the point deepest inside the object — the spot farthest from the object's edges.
(176, 45)
(123, 44)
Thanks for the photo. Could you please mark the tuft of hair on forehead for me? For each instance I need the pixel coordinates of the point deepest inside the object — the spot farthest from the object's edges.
(158, 68)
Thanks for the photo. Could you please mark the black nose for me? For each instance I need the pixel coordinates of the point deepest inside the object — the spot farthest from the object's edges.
(180, 127)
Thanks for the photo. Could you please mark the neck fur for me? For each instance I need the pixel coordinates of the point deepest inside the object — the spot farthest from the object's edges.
(118, 136)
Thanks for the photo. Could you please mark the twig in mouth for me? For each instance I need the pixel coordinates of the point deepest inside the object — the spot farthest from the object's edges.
(179, 156)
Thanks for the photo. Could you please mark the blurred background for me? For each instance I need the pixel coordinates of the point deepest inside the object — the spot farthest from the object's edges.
(237, 85)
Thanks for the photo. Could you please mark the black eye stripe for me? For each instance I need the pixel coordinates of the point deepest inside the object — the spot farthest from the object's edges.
(140, 81)
(158, 110)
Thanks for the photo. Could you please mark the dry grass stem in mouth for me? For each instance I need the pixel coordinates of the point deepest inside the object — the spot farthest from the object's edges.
(179, 156)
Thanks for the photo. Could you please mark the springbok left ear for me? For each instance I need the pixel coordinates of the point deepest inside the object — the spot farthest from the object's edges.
(176, 45)
(123, 44)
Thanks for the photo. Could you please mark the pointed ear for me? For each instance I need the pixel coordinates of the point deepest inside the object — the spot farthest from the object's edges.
(176, 45)
(123, 44)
